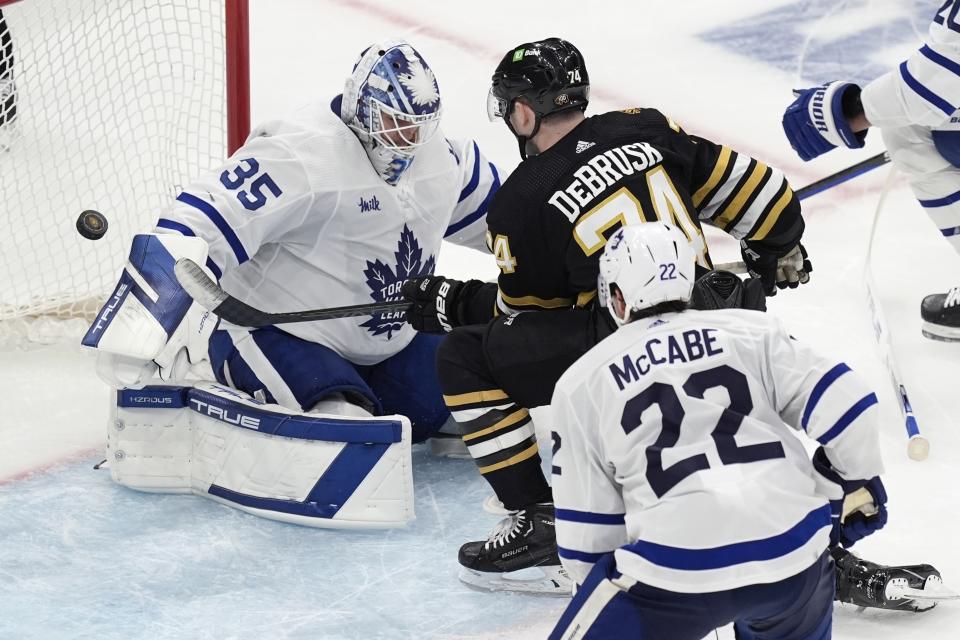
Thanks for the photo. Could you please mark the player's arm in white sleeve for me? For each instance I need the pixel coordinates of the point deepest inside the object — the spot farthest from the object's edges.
(589, 505)
(480, 180)
(925, 88)
(829, 402)
(257, 196)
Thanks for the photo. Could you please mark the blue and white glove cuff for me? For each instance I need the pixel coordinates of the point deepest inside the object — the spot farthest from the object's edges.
(825, 110)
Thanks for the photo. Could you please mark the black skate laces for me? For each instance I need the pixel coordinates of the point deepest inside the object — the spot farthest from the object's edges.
(953, 298)
(506, 530)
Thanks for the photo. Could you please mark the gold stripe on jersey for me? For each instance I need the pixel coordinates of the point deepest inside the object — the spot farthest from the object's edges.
(718, 170)
(509, 421)
(474, 397)
(739, 196)
(584, 298)
(526, 454)
(534, 301)
(770, 217)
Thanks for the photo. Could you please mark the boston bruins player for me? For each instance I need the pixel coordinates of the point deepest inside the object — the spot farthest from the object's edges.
(581, 179)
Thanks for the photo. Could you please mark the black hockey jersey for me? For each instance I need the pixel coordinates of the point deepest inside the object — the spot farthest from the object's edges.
(548, 223)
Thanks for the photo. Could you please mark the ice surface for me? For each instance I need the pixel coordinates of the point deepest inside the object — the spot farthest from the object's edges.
(82, 557)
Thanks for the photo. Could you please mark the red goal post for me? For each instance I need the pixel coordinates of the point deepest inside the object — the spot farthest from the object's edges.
(112, 105)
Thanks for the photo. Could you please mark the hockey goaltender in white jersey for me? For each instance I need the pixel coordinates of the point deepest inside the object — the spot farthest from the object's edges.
(338, 205)
(675, 468)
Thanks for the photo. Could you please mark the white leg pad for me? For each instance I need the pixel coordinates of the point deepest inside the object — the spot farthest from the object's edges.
(320, 471)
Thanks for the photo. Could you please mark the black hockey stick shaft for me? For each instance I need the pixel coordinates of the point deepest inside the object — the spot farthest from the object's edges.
(210, 296)
(213, 298)
(843, 175)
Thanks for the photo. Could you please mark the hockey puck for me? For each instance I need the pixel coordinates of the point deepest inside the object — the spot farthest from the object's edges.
(92, 224)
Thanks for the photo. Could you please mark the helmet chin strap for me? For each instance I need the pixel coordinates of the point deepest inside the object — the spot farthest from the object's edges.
(524, 142)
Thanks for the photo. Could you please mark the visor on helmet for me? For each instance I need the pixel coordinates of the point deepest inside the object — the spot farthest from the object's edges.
(496, 106)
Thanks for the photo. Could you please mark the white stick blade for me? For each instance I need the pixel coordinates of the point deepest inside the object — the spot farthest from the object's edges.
(196, 283)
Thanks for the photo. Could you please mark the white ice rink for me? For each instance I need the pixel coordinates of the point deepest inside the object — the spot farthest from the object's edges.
(83, 558)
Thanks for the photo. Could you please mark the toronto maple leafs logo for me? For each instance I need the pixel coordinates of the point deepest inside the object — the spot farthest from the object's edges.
(421, 84)
(385, 282)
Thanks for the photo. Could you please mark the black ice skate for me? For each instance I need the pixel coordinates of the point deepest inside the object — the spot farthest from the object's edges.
(941, 315)
(867, 584)
(519, 555)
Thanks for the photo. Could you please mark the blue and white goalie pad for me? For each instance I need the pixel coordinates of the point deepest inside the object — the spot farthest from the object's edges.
(308, 469)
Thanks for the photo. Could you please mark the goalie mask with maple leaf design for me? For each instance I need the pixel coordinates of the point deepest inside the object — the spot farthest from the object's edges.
(392, 102)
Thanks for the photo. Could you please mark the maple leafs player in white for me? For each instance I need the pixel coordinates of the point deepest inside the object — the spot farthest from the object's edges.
(683, 499)
(338, 205)
(915, 106)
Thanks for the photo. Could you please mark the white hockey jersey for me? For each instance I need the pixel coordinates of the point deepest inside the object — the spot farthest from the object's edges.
(922, 95)
(298, 219)
(675, 447)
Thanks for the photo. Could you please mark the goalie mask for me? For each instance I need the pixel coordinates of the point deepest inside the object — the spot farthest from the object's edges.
(392, 102)
(647, 263)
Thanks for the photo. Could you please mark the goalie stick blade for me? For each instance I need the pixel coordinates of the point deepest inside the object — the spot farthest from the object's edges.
(198, 285)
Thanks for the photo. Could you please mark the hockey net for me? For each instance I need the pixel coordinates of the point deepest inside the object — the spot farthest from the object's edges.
(111, 105)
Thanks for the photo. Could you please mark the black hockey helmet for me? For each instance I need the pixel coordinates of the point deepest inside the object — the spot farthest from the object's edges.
(549, 74)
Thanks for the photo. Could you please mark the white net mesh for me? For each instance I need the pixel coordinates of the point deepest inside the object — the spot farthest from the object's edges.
(109, 105)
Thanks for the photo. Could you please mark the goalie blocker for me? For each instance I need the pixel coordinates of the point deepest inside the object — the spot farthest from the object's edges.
(308, 469)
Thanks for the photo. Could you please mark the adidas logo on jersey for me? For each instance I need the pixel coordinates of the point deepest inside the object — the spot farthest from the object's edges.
(583, 146)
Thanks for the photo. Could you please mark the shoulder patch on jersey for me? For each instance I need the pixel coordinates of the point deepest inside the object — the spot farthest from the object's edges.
(632, 110)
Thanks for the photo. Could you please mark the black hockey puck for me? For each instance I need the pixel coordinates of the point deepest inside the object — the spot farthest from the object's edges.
(92, 224)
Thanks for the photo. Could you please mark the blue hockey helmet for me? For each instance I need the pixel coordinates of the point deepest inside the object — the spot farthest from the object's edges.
(392, 102)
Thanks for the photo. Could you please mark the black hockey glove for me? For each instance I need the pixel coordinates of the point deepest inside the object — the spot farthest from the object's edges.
(724, 290)
(436, 302)
(776, 269)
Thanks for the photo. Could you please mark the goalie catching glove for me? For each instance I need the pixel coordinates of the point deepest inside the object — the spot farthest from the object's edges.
(150, 327)
(438, 304)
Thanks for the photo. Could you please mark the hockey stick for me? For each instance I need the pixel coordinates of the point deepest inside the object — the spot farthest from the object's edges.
(918, 447)
(820, 185)
(211, 297)
(843, 175)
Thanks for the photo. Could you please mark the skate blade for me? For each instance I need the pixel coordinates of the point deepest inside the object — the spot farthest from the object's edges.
(550, 580)
(939, 332)
(932, 591)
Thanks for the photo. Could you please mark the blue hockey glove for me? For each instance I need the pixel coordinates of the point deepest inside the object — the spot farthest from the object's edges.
(859, 525)
(817, 120)
(861, 521)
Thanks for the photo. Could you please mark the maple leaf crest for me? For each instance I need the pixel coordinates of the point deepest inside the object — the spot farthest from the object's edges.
(422, 85)
(385, 281)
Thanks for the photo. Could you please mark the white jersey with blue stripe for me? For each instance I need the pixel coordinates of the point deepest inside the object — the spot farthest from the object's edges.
(676, 447)
(925, 88)
(298, 219)
(917, 100)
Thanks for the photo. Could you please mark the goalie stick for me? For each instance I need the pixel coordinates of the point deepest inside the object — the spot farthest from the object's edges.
(211, 297)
